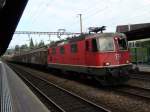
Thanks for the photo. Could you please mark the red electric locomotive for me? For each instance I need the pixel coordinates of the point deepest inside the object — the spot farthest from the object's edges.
(102, 56)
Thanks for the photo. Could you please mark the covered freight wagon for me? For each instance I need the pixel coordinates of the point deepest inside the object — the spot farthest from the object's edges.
(35, 56)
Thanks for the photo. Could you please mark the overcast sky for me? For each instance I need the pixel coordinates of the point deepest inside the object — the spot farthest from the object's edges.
(51, 15)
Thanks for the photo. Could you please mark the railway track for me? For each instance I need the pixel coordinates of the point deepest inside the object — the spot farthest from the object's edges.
(141, 76)
(138, 90)
(57, 98)
(134, 91)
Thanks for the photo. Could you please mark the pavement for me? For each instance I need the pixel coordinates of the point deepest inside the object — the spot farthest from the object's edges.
(15, 96)
(143, 67)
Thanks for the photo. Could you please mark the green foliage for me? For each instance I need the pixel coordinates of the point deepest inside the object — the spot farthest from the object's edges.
(36, 45)
(25, 46)
(17, 48)
(31, 44)
(41, 43)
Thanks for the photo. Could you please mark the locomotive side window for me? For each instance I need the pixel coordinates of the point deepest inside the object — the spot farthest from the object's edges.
(74, 48)
(62, 50)
(53, 51)
(87, 45)
(122, 44)
(94, 45)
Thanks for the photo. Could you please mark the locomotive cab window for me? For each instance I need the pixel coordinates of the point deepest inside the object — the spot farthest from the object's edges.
(94, 45)
(106, 44)
(122, 44)
(74, 48)
(62, 50)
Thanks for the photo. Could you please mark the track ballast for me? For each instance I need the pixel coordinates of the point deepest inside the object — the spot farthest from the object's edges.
(61, 99)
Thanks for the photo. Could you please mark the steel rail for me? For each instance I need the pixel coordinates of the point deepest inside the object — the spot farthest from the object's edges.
(102, 109)
(38, 90)
(135, 91)
(141, 76)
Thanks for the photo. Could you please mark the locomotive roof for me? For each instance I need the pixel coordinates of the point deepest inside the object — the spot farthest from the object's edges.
(106, 34)
(43, 48)
(82, 37)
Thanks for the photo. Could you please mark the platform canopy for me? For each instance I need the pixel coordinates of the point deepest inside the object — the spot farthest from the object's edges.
(10, 14)
(135, 31)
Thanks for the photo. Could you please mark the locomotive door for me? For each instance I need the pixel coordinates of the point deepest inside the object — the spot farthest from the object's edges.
(117, 54)
(122, 54)
(87, 52)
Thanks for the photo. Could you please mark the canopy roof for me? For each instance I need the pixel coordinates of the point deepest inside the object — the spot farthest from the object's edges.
(9, 17)
(135, 31)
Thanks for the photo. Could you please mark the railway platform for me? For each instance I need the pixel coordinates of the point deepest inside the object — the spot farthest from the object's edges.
(15, 96)
(143, 67)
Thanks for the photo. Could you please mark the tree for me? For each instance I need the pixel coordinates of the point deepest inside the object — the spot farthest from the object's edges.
(36, 44)
(31, 43)
(41, 43)
(24, 46)
(17, 48)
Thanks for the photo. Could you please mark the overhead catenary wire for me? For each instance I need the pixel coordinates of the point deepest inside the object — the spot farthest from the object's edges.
(89, 14)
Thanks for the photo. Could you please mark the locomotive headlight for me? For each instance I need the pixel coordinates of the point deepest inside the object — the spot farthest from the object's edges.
(107, 64)
(116, 38)
(127, 61)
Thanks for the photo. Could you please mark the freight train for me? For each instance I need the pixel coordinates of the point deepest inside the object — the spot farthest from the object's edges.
(104, 57)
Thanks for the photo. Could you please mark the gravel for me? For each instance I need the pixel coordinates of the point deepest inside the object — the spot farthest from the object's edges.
(140, 83)
(112, 100)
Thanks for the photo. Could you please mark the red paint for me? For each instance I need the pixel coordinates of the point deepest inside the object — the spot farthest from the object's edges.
(87, 57)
